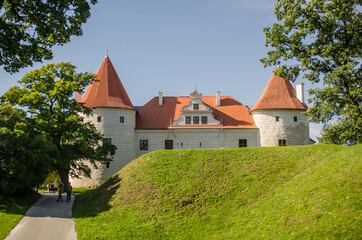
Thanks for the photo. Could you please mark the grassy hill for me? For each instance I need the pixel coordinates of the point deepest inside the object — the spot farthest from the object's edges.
(12, 209)
(246, 193)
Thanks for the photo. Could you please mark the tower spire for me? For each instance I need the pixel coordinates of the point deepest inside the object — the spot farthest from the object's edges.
(108, 91)
(278, 94)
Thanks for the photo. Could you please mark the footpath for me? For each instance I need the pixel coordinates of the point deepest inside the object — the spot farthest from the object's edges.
(46, 219)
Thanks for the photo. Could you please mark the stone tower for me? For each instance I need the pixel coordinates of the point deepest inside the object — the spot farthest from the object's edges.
(279, 115)
(115, 117)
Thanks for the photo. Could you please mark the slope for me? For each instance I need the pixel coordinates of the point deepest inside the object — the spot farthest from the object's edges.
(246, 193)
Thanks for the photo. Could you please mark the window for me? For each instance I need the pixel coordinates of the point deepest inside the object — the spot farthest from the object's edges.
(143, 144)
(107, 140)
(99, 119)
(277, 119)
(243, 142)
(295, 119)
(196, 106)
(187, 120)
(107, 165)
(196, 120)
(203, 120)
(168, 144)
(121, 119)
(282, 142)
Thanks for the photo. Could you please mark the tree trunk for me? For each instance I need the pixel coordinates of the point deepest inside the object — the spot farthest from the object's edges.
(64, 176)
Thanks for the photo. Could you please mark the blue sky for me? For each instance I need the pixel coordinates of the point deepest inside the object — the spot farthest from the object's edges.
(173, 45)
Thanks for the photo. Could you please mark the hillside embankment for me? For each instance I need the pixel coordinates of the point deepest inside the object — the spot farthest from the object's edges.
(298, 192)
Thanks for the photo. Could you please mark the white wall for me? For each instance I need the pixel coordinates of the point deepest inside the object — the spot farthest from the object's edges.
(127, 138)
(296, 133)
(122, 135)
(191, 138)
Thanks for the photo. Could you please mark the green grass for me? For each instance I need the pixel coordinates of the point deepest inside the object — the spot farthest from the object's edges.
(304, 192)
(12, 210)
(74, 191)
(44, 190)
(81, 190)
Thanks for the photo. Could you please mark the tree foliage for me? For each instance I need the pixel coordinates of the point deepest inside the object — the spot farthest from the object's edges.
(323, 41)
(24, 156)
(47, 95)
(30, 28)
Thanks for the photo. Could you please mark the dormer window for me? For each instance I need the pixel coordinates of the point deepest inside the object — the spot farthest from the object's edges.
(187, 120)
(196, 112)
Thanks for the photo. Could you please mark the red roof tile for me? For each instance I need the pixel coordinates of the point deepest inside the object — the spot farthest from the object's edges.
(232, 113)
(278, 94)
(109, 91)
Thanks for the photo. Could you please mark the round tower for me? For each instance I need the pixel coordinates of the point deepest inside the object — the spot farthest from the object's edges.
(115, 117)
(279, 115)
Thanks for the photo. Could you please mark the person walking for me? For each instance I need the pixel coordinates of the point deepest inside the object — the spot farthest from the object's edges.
(69, 193)
(61, 190)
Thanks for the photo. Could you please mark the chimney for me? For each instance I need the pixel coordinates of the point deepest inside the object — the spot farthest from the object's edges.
(160, 98)
(218, 98)
(300, 92)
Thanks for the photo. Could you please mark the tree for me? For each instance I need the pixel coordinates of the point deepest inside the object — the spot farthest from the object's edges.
(46, 94)
(29, 29)
(322, 39)
(24, 156)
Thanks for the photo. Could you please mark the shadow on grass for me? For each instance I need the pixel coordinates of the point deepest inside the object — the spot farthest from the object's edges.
(93, 202)
(17, 204)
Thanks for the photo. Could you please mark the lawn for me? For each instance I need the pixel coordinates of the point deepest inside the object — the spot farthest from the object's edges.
(303, 192)
(12, 210)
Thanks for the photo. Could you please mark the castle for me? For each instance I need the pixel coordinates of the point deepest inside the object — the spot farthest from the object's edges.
(193, 121)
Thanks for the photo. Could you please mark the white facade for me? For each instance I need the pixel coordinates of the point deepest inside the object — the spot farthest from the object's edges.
(291, 126)
(121, 133)
(288, 125)
(195, 138)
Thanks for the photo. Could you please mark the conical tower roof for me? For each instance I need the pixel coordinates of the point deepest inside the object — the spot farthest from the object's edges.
(109, 91)
(278, 94)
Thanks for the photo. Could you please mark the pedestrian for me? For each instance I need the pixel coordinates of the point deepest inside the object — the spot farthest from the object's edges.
(61, 190)
(69, 193)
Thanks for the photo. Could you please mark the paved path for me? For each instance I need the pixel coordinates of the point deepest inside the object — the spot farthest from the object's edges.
(47, 219)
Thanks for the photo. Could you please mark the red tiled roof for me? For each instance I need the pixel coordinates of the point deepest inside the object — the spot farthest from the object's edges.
(278, 94)
(232, 113)
(109, 91)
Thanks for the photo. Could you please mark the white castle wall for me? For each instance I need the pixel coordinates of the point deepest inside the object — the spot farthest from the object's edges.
(127, 138)
(122, 135)
(295, 133)
(191, 138)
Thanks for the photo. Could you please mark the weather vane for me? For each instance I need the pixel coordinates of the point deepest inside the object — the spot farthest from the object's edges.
(107, 50)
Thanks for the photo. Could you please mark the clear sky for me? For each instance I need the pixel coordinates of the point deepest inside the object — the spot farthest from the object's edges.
(173, 45)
